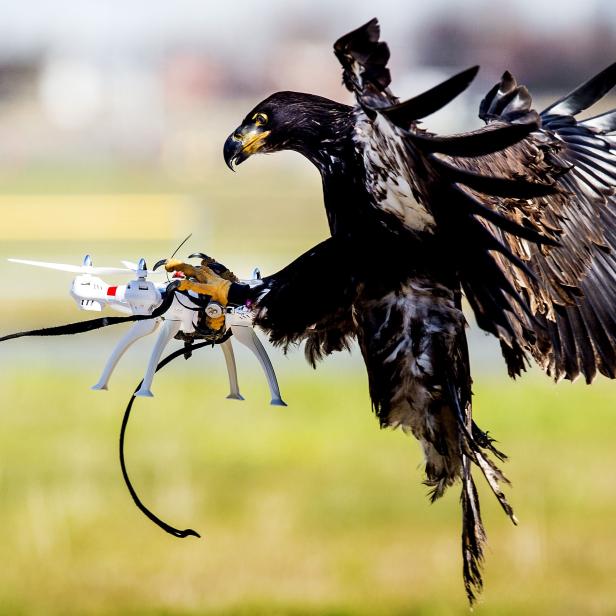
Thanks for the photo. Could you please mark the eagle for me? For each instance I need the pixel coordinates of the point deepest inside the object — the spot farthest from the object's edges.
(518, 217)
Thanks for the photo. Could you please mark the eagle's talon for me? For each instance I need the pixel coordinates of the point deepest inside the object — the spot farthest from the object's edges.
(208, 283)
(175, 265)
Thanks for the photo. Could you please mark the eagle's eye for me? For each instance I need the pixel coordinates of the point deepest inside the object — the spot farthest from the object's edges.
(260, 119)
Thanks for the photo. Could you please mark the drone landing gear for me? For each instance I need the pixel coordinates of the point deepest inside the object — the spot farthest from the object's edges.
(168, 331)
(137, 331)
(227, 350)
(246, 336)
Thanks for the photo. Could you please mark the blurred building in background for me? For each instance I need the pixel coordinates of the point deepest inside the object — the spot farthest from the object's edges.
(136, 81)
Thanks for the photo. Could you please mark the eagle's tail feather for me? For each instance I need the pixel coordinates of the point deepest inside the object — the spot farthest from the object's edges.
(474, 445)
(444, 466)
(473, 534)
(485, 441)
(494, 476)
(473, 450)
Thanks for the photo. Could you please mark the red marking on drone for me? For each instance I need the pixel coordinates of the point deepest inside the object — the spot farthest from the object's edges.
(112, 291)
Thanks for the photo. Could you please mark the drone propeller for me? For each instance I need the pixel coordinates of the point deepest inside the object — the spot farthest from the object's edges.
(86, 268)
(140, 268)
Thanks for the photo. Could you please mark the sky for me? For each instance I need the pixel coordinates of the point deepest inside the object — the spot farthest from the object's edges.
(95, 26)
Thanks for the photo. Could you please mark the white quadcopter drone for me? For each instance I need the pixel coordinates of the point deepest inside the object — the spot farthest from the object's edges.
(183, 319)
(195, 319)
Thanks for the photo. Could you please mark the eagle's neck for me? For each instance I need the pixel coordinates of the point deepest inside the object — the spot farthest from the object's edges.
(330, 145)
(326, 141)
(343, 196)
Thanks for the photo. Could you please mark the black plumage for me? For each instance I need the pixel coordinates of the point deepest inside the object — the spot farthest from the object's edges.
(519, 217)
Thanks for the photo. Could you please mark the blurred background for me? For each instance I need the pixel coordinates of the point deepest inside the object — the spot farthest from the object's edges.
(112, 118)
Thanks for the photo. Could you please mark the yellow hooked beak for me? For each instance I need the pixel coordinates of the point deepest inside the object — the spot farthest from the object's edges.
(242, 144)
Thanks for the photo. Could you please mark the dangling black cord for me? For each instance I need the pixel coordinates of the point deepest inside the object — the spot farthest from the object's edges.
(86, 326)
(187, 353)
(81, 327)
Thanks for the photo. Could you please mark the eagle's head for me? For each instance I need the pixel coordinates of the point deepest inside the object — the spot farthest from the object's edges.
(295, 121)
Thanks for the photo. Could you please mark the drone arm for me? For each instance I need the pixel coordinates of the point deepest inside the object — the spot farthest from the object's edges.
(227, 349)
(138, 330)
(246, 336)
(168, 330)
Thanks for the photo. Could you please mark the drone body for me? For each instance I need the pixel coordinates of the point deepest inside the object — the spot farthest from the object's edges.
(182, 308)
(187, 317)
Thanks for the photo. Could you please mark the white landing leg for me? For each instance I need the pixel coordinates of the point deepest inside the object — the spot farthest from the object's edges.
(227, 349)
(138, 330)
(168, 330)
(247, 337)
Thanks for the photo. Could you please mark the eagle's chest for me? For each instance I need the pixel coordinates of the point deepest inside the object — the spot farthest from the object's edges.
(388, 177)
(406, 336)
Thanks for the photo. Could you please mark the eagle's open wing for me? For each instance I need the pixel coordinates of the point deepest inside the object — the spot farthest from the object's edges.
(305, 301)
(523, 205)
(573, 291)
(364, 61)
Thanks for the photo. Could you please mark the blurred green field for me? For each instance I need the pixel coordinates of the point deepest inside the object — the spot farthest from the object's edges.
(304, 510)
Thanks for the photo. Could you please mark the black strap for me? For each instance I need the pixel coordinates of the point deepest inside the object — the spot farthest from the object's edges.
(86, 326)
(186, 351)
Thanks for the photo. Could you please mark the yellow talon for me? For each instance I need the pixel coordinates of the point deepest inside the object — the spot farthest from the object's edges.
(217, 288)
(175, 265)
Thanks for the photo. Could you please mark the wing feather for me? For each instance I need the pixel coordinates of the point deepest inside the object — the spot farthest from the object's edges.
(526, 206)
(428, 102)
(573, 289)
(603, 123)
(585, 95)
(290, 311)
(364, 61)
(416, 180)
(476, 143)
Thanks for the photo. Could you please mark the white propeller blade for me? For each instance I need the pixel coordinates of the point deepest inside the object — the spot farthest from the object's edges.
(134, 267)
(75, 269)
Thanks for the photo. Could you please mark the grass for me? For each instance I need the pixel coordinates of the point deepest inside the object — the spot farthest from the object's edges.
(304, 510)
